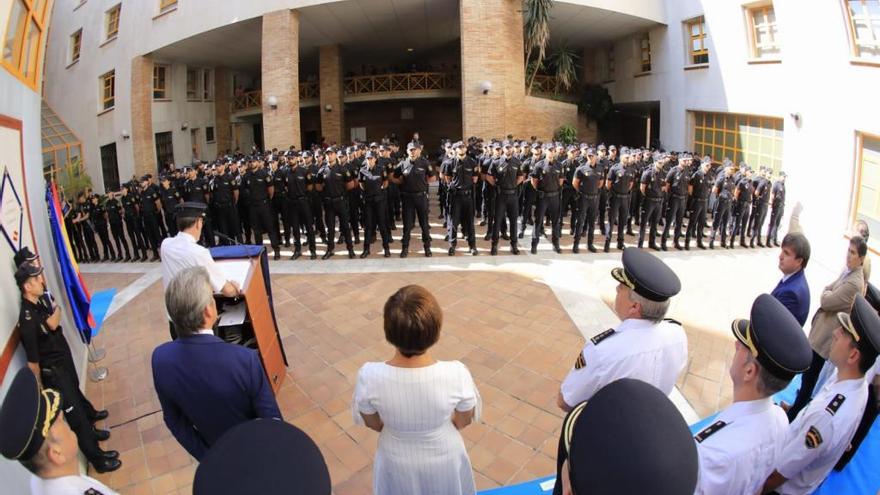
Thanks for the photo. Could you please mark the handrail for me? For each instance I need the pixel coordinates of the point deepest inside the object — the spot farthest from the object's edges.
(247, 100)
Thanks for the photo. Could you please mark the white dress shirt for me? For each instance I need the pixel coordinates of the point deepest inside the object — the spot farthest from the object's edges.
(820, 434)
(739, 450)
(655, 353)
(182, 251)
(68, 485)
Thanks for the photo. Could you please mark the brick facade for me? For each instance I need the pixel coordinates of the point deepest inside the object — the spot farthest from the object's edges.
(143, 147)
(330, 80)
(222, 102)
(280, 78)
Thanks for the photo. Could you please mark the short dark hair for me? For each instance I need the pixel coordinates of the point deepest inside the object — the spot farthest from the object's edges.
(800, 245)
(860, 244)
(184, 223)
(412, 320)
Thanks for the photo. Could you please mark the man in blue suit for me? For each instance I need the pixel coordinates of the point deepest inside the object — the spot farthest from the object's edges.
(205, 385)
(792, 291)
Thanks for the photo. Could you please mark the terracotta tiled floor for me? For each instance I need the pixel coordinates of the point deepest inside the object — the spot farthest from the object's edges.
(331, 324)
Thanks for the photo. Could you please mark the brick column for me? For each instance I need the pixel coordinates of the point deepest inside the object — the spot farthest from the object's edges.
(280, 73)
(330, 81)
(492, 50)
(143, 146)
(222, 102)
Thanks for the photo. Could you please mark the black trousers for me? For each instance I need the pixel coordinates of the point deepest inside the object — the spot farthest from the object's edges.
(279, 211)
(569, 203)
(675, 212)
(299, 213)
(337, 208)
(635, 206)
(741, 221)
(775, 219)
(506, 208)
(549, 206)
(106, 246)
(720, 219)
(89, 238)
(697, 221)
(618, 212)
(317, 208)
(461, 211)
(528, 202)
(151, 232)
(808, 383)
(650, 216)
(170, 222)
(135, 233)
(119, 239)
(355, 206)
(604, 197)
(489, 195)
(760, 217)
(226, 215)
(160, 221)
(376, 217)
(393, 193)
(588, 212)
(415, 204)
(261, 221)
(78, 411)
(244, 215)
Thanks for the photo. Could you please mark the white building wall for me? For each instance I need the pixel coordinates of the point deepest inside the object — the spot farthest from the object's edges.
(169, 116)
(815, 79)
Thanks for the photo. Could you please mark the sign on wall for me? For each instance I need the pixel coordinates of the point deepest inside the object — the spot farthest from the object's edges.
(15, 230)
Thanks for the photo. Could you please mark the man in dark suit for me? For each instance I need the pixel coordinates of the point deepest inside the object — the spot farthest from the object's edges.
(205, 385)
(792, 291)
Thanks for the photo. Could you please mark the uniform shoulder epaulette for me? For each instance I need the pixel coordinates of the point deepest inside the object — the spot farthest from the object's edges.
(602, 336)
(670, 320)
(835, 404)
(709, 431)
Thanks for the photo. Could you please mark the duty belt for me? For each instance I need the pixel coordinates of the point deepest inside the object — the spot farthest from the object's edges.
(590, 195)
(678, 196)
(461, 192)
(700, 200)
(620, 195)
(299, 198)
(654, 198)
(508, 191)
(549, 194)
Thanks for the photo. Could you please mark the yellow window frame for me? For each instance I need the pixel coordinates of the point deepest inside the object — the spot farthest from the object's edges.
(108, 90)
(161, 84)
(764, 9)
(645, 52)
(740, 137)
(857, 185)
(856, 44)
(700, 36)
(111, 21)
(25, 70)
(165, 4)
(76, 45)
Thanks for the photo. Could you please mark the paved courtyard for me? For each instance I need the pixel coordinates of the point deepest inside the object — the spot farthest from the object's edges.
(518, 322)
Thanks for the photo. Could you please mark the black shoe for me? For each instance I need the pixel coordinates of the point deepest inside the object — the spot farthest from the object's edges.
(474, 251)
(687, 245)
(505, 237)
(575, 249)
(761, 244)
(482, 223)
(404, 253)
(387, 252)
(105, 259)
(156, 258)
(104, 465)
(743, 244)
(277, 254)
(340, 240)
(752, 242)
(630, 232)
(487, 237)
(451, 251)
(357, 239)
(494, 250)
(393, 227)
(663, 246)
(677, 246)
(654, 246)
(607, 247)
(621, 246)
(556, 248)
(327, 255)
(101, 435)
(365, 253)
(521, 235)
(110, 454)
(127, 259)
(296, 254)
(286, 243)
(100, 415)
(534, 246)
(351, 254)
(427, 251)
(313, 256)
(514, 249)
(591, 248)
(711, 243)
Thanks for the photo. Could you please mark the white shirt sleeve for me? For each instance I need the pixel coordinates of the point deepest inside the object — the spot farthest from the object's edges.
(580, 384)
(714, 474)
(218, 279)
(361, 402)
(806, 441)
(470, 396)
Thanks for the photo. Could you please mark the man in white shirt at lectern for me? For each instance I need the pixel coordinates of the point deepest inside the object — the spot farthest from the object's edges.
(183, 251)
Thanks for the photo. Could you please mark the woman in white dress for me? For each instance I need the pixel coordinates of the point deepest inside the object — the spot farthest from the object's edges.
(417, 404)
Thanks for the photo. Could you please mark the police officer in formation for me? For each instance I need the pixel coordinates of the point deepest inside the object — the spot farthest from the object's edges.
(277, 194)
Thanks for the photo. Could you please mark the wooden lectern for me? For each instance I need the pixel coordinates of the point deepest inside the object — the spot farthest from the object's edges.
(248, 273)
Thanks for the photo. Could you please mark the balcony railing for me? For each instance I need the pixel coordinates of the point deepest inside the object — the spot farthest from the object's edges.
(399, 83)
(251, 99)
(359, 86)
(549, 86)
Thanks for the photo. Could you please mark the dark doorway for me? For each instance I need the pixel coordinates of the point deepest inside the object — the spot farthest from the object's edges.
(164, 150)
(629, 125)
(258, 135)
(109, 167)
(309, 138)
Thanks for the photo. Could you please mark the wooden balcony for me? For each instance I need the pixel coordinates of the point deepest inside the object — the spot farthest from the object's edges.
(368, 88)
(549, 87)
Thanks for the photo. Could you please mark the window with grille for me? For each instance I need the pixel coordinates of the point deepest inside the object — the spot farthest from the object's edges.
(207, 84)
(192, 84)
(610, 64)
(161, 75)
(753, 139)
(75, 45)
(763, 33)
(111, 21)
(108, 90)
(864, 25)
(645, 52)
(164, 149)
(698, 48)
(22, 40)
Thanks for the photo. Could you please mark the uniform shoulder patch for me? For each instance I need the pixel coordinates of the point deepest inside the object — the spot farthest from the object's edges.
(580, 362)
(813, 438)
(602, 336)
(670, 320)
(835, 404)
(709, 431)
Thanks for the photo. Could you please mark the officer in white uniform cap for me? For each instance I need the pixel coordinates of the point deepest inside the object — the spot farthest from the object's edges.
(643, 346)
(739, 450)
(821, 432)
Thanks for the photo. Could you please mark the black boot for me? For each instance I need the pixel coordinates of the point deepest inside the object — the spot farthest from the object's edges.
(473, 251)
(576, 248)
(404, 251)
(313, 255)
(451, 251)
(328, 254)
(514, 249)
(351, 254)
(427, 250)
(277, 253)
(297, 252)
(387, 251)
(534, 246)
(366, 251)
(556, 247)
(712, 241)
(105, 464)
(607, 246)
(494, 250)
